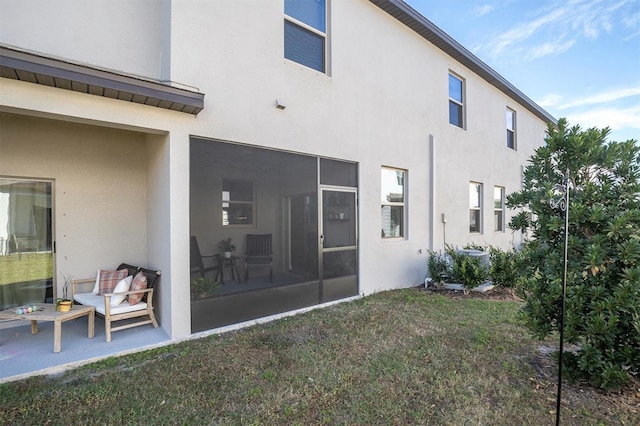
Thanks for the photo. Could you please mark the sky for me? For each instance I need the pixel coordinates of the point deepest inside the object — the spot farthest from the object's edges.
(578, 59)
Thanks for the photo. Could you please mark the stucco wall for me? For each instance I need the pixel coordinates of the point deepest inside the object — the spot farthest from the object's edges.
(99, 183)
(384, 99)
(120, 35)
(386, 93)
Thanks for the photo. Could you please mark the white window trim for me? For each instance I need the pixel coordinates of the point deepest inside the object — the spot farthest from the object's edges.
(479, 208)
(463, 93)
(501, 209)
(252, 203)
(403, 204)
(513, 129)
(325, 35)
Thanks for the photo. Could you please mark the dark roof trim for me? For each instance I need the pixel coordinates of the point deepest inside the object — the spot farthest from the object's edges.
(19, 65)
(421, 25)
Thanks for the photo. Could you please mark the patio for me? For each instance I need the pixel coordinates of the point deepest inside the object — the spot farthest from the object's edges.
(23, 354)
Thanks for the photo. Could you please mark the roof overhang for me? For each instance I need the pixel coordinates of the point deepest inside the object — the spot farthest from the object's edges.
(443, 41)
(33, 68)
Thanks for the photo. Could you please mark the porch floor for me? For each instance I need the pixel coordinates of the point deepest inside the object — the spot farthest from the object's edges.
(23, 354)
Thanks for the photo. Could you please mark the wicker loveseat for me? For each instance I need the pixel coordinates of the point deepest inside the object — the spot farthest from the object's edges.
(124, 310)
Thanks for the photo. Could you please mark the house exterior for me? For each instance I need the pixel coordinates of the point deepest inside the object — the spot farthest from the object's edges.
(124, 131)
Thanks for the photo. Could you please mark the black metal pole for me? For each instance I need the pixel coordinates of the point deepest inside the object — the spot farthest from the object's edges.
(564, 292)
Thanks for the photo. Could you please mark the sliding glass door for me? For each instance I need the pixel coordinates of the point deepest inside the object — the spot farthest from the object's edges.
(26, 242)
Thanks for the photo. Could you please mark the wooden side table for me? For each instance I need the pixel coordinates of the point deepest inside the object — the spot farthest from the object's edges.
(47, 312)
(228, 261)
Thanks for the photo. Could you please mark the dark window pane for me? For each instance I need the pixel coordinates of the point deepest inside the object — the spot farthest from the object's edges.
(237, 190)
(303, 46)
(392, 222)
(311, 12)
(498, 221)
(334, 172)
(474, 220)
(455, 114)
(237, 214)
(511, 143)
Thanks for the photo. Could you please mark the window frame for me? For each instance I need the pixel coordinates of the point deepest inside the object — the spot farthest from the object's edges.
(499, 209)
(310, 28)
(459, 103)
(252, 224)
(511, 130)
(478, 208)
(402, 204)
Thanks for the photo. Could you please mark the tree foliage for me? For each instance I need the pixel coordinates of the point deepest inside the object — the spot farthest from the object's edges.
(603, 270)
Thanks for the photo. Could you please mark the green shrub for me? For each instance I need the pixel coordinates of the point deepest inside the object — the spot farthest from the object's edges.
(467, 270)
(602, 313)
(505, 267)
(439, 269)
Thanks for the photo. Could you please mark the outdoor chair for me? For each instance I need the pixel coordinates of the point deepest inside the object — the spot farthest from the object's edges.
(197, 260)
(258, 253)
(133, 302)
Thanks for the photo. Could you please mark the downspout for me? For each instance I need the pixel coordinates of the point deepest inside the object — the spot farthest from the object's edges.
(432, 192)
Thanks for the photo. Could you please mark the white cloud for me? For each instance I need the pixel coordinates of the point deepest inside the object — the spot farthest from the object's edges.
(553, 48)
(522, 32)
(482, 10)
(622, 120)
(550, 100)
(572, 19)
(603, 97)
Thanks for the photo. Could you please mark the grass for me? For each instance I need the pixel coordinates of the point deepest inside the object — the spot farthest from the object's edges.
(25, 267)
(395, 358)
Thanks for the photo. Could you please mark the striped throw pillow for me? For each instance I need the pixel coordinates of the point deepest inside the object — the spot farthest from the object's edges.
(139, 283)
(110, 279)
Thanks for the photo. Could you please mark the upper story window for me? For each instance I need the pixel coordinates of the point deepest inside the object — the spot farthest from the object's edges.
(238, 207)
(305, 33)
(475, 207)
(456, 101)
(393, 202)
(511, 128)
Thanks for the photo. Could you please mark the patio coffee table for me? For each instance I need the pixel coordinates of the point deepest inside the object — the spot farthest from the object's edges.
(47, 312)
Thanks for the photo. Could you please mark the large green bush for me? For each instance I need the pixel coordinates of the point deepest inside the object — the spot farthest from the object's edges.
(603, 271)
(505, 267)
(466, 269)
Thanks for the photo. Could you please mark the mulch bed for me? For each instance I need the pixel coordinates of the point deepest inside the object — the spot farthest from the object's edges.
(496, 293)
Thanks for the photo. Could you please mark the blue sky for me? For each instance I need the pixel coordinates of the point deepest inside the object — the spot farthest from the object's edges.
(578, 59)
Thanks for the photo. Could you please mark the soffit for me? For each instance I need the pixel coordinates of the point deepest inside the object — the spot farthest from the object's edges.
(32, 68)
(425, 28)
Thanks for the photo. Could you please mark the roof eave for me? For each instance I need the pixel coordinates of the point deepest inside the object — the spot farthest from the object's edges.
(428, 30)
(20, 65)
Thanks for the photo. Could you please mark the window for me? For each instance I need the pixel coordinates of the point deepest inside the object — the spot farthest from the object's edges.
(305, 33)
(393, 202)
(475, 207)
(511, 129)
(237, 202)
(456, 104)
(498, 209)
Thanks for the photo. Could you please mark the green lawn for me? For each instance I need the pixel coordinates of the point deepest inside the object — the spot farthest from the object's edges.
(398, 357)
(25, 267)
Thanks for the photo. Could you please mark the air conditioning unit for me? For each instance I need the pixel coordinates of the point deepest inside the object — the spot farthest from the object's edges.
(483, 255)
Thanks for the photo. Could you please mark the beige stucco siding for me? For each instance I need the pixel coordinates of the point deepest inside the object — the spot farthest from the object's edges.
(99, 178)
(383, 102)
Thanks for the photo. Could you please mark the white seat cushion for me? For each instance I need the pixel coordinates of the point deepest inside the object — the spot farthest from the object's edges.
(91, 299)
